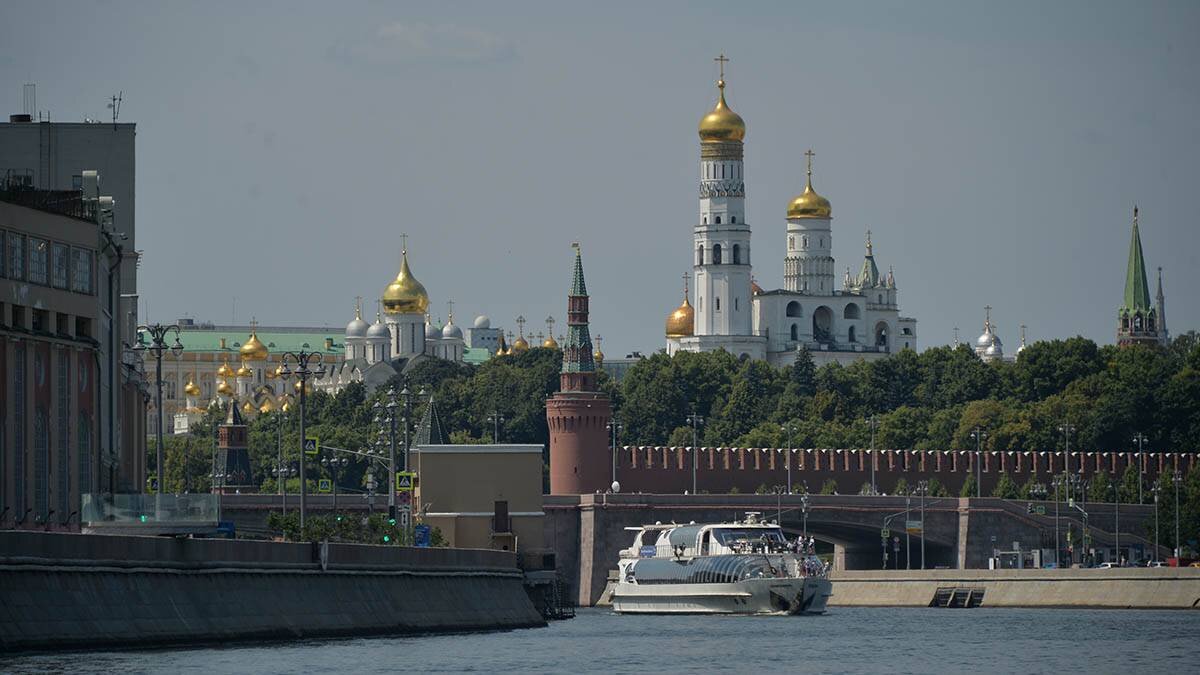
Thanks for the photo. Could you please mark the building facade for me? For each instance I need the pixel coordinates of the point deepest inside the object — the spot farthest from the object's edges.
(731, 312)
(72, 400)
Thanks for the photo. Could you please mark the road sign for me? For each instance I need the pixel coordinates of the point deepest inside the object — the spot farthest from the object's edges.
(152, 484)
(405, 518)
(913, 526)
(421, 536)
(885, 533)
(405, 481)
(325, 485)
(404, 499)
(1041, 509)
(312, 445)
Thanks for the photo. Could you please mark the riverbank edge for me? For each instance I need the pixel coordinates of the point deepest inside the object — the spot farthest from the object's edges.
(66, 591)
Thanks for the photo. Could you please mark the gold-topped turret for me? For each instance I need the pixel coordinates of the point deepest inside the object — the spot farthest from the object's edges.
(254, 349)
(722, 125)
(224, 371)
(405, 295)
(809, 204)
(191, 388)
(682, 321)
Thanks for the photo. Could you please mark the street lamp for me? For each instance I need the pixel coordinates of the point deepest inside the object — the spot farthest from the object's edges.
(922, 490)
(1067, 429)
(978, 435)
(790, 430)
(873, 422)
(614, 427)
(1116, 490)
(333, 464)
(385, 415)
(907, 537)
(695, 420)
(282, 472)
(158, 345)
(308, 364)
(1058, 482)
(804, 512)
(1177, 479)
(1140, 439)
(1156, 489)
(496, 419)
(778, 492)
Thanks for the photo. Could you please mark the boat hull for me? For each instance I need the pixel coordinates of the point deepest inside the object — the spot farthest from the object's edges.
(804, 595)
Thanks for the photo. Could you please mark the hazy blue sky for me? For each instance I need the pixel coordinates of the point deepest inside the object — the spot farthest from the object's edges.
(995, 149)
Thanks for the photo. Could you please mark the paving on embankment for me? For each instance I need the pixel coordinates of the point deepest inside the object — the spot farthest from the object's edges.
(1123, 588)
(89, 591)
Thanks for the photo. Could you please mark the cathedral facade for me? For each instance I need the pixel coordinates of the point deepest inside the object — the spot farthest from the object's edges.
(861, 319)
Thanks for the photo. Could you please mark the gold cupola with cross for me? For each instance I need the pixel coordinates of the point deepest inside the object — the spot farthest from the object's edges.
(809, 204)
(722, 124)
(405, 295)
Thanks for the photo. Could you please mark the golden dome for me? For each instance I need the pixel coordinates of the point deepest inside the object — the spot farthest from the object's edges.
(809, 204)
(191, 388)
(549, 342)
(722, 125)
(598, 356)
(682, 322)
(307, 389)
(519, 345)
(223, 388)
(253, 350)
(248, 408)
(267, 405)
(245, 371)
(405, 295)
(224, 371)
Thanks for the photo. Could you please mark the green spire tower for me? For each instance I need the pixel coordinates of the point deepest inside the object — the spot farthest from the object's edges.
(1138, 321)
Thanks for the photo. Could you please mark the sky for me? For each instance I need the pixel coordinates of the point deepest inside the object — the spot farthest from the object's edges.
(995, 150)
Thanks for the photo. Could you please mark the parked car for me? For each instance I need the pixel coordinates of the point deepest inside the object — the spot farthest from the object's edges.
(1155, 563)
(1108, 565)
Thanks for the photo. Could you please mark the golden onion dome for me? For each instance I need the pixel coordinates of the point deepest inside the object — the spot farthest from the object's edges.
(267, 405)
(245, 371)
(248, 408)
(191, 388)
(224, 371)
(405, 295)
(550, 342)
(519, 345)
(254, 349)
(223, 388)
(682, 322)
(286, 407)
(722, 125)
(809, 204)
(598, 356)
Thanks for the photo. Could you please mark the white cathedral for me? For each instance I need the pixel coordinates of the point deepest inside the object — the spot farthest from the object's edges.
(860, 320)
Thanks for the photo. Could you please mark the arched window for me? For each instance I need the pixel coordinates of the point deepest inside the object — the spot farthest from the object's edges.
(881, 335)
(804, 241)
(717, 251)
(718, 220)
(795, 333)
(791, 242)
(718, 305)
(736, 304)
(737, 254)
(851, 335)
(794, 309)
(700, 255)
(705, 220)
(852, 312)
(881, 298)
(733, 219)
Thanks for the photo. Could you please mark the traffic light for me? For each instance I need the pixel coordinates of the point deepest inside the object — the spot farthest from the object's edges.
(1029, 508)
(392, 522)
(387, 538)
(142, 518)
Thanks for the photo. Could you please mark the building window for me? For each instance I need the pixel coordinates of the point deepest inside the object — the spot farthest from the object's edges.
(19, 433)
(718, 220)
(736, 305)
(700, 255)
(733, 219)
(39, 261)
(16, 256)
(852, 336)
(804, 241)
(64, 440)
(81, 270)
(795, 333)
(85, 453)
(737, 254)
(791, 242)
(716, 254)
(58, 265)
(718, 305)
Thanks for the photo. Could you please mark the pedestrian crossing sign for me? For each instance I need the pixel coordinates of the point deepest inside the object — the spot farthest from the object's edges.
(311, 445)
(325, 485)
(405, 481)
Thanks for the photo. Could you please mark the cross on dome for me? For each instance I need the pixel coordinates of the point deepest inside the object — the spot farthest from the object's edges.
(721, 61)
(403, 243)
(809, 154)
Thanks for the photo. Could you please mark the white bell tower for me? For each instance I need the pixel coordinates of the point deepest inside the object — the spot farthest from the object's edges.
(721, 246)
(808, 267)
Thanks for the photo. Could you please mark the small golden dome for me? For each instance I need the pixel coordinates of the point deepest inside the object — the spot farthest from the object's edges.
(405, 295)
(549, 342)
(809, 204)
(682, 322)
(224, 371)
(722, 125)
(254, 349)
(267, 405)
(286, 407)
(223, 388)
(598, 356)
(271, 373)
(519, 345)
(191, 388)
(248, 408)
(245, 371)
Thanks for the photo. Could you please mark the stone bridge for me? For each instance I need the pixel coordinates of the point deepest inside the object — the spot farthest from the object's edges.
(587, 531)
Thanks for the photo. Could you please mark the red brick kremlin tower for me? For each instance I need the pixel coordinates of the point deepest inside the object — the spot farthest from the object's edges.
(578, 414)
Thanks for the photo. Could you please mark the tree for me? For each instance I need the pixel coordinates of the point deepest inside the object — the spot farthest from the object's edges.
(1129, 485)
(968, 486)
(1005, 488)
(829, 487)
(936, 489)
(901, 487)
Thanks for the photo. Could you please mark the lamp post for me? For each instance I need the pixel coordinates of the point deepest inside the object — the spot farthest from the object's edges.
(790, 430)
(496, 419)
(157, 346)
(804, 512)
(333, 464)
(1140, 438)
(1058, 482)
(778, 490)
(385, 414)
(1156, 489)
(1177, 479)
(978, 435)
(695, 420)
(1038, 491)
(1116, 490)
(907, 538)
(922, 490)
(615, 427)
(282, 472)
(1067, 429)
(308, 364)
(873, 422)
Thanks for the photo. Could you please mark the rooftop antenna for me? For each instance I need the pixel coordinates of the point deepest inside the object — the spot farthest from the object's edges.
(114, 104)
(29, 99)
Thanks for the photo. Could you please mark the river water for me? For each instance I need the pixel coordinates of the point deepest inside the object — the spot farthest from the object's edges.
(846, 640)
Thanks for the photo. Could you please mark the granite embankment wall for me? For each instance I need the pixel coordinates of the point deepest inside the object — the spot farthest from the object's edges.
(1136, 588)
(77, 591)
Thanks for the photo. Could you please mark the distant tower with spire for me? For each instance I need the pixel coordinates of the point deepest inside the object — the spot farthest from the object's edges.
(1138, 322)
(578, 414)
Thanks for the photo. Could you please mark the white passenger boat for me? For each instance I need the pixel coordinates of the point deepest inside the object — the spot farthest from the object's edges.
(743, 567)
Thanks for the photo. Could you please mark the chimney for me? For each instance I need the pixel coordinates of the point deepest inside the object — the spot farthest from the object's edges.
(328, 344)
(223, 344)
